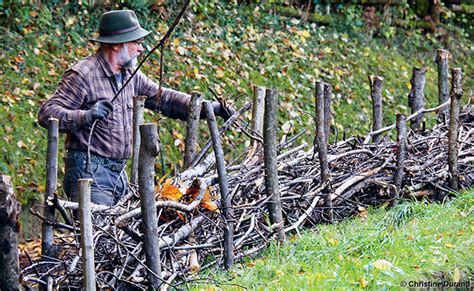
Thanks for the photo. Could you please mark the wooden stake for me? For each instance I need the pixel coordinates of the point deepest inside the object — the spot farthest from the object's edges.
(270, 159)
(192, 128)
(376, 83)
(401, 153)
(456, 94)
(9, 212)
(416, 97)
(138, 111)
(258, 110)
(224, 188)
(442, 60)
(322, 146)
(47, 237)
(327, 111)
(87, 238)
(149, 149)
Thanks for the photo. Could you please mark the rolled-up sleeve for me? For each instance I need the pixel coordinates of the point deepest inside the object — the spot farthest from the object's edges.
(170, 102)
(65, 103)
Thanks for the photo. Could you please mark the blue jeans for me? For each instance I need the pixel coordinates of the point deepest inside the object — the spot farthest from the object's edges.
(108, 185)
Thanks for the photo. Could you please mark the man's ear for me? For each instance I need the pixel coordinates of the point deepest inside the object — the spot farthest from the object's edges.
(116, 47)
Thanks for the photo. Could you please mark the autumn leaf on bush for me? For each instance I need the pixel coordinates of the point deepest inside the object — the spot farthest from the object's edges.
(206, 201)
(168, 191)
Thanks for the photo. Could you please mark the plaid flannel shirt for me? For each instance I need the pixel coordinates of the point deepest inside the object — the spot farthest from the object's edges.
(91, 80)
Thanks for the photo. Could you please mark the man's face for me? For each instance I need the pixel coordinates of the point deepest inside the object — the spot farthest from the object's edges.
(127, 56)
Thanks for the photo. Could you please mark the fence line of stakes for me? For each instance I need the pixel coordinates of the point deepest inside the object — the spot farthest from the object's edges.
(147, 145)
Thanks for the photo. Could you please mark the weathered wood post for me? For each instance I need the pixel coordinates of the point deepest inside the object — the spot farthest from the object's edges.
(327, 110)
(456, 94)
(87, 239)
(322, 147)
(270, 159)
(138, 111)
(9, 212)
(258, 109)
(192, 128)
(47, 237)
(226, 199)
(416, 97)
(401, 153)
(149, 149)
(376, 83)
(442, 60)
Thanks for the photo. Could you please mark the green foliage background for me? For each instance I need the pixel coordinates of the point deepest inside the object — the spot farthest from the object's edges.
(227, 47)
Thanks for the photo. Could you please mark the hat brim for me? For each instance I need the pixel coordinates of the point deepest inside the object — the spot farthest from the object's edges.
(124, 37)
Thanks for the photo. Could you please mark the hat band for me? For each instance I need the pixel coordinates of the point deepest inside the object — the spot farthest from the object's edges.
(120, 31)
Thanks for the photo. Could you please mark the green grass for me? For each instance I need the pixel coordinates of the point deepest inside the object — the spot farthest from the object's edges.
(417, 241)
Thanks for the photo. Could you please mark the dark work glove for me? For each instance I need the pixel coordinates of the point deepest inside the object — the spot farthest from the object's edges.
(99, 111)
(223, 111)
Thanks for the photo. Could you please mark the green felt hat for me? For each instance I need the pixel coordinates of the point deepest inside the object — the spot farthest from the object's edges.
(120, 26)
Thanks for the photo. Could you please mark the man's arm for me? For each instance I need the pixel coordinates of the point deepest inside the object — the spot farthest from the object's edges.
(65, 104)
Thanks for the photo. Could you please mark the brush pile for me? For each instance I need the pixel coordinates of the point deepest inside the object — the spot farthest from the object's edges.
(361, 175)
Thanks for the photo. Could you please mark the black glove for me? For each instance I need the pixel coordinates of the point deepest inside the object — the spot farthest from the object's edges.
(99, 111)
(223, 111)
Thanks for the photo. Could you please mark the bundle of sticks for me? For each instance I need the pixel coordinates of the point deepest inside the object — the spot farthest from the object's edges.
(191, 237)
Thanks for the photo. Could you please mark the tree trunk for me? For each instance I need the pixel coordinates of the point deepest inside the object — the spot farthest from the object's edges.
(192, 129)
(138, 110)
(146, 179)
(442, 60)
(401, 153)
(9, 212)
(327, 111)
(456, 94)
(87, 237)
(416, 98)
(376, 83)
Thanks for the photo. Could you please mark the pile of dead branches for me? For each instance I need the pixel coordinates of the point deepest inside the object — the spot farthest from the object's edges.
(191, 238)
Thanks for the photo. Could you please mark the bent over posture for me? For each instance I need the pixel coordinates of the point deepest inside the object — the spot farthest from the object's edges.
(84, 95)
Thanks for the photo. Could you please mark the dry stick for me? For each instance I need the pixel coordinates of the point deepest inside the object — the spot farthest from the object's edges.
(442, 60)
(327, 110)
(270, 159)
(322, 146)
(9, 212)
(456, 94)
(87, 238)
(47, 237)
(258, 108)
(401, 153)
(138, 110)
(416, 97)
(192, 128)
(146, 174)
(376, 83)
(224, 187)
(414, 115)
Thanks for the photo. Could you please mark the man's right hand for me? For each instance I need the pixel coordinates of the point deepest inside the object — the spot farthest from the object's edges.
(99, 111)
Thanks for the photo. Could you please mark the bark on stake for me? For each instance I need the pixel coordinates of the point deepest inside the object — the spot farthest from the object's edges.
(401, 153)
(456, 94)
(327, 110)
(138, 110)
(149, 149)
(224, 187)
(192, 128)
(376, 83)
(87, 238)
(321, 145)
(9, 212)
(416, 97)
(270, 159)
(258, 110)
(442, 60)
(47, 237)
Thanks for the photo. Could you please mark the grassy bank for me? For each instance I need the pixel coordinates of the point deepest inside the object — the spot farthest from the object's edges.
(415, 241)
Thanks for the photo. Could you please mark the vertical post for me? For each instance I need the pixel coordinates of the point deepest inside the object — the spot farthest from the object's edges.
(228, 211)
(9, 212)
(138, 110)
(456, 94)
(149, 149)
(87, 239)
(327, 110)
(416, 97)
(376, 83)
(401, 153)
(442, 60)
(47, 237)
(258, 110)
(322, 147)
(192, 128)
(270, 158)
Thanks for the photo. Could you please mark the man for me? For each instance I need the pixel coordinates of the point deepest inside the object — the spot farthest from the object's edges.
(84, 95)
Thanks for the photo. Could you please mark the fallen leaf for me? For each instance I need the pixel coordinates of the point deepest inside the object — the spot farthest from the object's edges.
(382, 265)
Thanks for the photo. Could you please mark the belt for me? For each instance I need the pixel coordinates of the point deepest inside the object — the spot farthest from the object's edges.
(112, 164)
